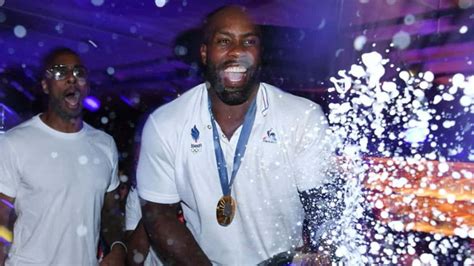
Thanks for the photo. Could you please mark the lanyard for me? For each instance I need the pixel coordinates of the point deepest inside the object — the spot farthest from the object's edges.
(239, 151)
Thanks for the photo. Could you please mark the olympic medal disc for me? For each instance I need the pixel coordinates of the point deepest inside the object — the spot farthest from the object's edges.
(225, 210)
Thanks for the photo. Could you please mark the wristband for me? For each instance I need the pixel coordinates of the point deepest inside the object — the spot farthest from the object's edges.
(119, 243)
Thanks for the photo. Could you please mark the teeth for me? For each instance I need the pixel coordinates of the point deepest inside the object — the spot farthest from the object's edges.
(236, 69)
(73, 98)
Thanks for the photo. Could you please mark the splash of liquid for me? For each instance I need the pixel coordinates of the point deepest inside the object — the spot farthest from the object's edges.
(395, 140)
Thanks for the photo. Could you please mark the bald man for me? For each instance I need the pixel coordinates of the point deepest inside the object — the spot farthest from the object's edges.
(238, 155)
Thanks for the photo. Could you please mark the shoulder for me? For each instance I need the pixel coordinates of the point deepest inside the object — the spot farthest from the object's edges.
(184, 106)
(20, 132)
(99, 136)
(285, 104)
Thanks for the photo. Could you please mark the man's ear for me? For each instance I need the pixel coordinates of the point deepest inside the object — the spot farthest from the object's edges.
(44, 86)
(203, 52)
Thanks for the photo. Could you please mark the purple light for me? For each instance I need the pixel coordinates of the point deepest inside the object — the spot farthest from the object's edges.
(7, 203)
(126, 100)
(91, 103)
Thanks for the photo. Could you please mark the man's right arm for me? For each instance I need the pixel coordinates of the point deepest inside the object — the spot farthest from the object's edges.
(6, 222)
(169, 237)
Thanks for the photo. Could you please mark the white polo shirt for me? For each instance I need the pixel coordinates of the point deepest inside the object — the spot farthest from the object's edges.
(287, 152)
(59, 181)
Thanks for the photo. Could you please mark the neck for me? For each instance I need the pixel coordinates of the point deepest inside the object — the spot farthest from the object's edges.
(58, 123)
(230, 117)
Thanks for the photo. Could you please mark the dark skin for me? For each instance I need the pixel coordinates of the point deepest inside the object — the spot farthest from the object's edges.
(65, 115)
(233, 43)
(61, 115)
(137, 242)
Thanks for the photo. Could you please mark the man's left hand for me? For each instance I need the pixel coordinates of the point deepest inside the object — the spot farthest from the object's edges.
(116, 257)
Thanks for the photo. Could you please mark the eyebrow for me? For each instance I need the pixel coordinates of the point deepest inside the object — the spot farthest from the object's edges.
(245, 35)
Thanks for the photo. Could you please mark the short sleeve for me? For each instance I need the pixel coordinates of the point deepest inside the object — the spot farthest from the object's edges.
(314, 151)
(133, 212)
(155, 171)
(9, 170)
(114, 179)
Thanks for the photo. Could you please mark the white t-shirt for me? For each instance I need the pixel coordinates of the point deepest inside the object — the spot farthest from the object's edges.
(133, 214)
(287, 152)
(59, 181)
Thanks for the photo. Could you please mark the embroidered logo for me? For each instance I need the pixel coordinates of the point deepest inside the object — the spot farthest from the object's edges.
(196, 146)
(270, 137)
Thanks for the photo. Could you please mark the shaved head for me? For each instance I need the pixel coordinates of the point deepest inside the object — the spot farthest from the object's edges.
(231, 54)
(225, 13)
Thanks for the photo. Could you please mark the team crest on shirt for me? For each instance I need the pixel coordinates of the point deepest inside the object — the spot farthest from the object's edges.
(196, 145)
(271, 136)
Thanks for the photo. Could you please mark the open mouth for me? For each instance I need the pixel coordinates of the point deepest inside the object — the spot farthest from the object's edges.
(235, 73)
(72, 99)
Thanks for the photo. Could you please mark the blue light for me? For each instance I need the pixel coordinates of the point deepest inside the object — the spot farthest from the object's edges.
(91, 103)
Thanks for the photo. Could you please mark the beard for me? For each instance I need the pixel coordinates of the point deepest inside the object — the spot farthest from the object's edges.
(232, 95)
(56, 104)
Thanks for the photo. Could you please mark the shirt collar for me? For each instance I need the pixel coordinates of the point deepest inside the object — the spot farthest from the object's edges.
(263, 104)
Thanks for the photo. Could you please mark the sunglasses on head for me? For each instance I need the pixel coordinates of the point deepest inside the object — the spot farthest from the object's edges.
(60, 72)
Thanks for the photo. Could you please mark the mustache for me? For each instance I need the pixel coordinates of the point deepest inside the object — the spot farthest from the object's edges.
(245, 61)
(72, 90)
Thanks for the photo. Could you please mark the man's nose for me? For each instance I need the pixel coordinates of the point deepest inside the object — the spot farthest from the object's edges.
(237, 50)
(70, 77)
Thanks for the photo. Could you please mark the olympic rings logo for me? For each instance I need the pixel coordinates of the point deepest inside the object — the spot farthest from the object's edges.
(196, 147)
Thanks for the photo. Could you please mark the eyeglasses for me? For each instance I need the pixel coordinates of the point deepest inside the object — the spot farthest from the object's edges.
(60, 72)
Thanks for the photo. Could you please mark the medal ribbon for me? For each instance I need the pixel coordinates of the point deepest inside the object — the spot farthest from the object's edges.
(239, 151)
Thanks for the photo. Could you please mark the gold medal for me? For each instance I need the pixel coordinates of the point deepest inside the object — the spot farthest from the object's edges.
(225, 210)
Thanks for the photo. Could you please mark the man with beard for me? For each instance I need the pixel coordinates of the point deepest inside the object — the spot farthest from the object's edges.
(235, 153)
(60, 173)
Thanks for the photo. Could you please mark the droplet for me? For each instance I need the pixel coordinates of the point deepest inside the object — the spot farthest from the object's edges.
(123, 178)
(138, 258)
(54, 155)
(379, 204)
(409, 19)
(97, 2)
(161, 3)
(428, 258)
(401, 40)
(180, 50)
(463, 29)
(359, 42)
(448, 124)
(110, 71)
(81, 230)
(443, 167)
(451, 198)
(19, 31)
(83, 159)
(458, 79)
(465, 100)
(428, 76)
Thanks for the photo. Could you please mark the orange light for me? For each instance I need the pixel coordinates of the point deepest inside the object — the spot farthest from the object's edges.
(426, 196)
